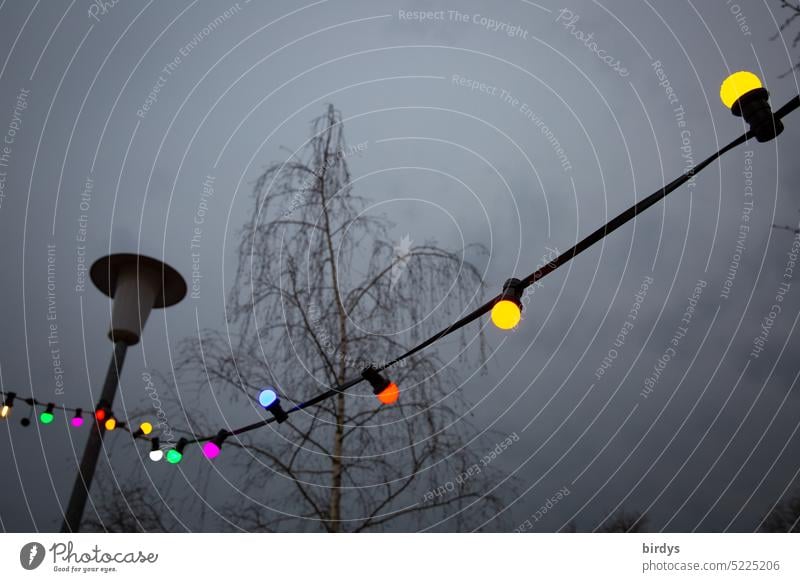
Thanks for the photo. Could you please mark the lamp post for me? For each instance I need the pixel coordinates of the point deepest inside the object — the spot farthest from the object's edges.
(137, 284)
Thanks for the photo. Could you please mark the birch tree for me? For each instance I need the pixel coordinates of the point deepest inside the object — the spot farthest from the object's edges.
(324, 288)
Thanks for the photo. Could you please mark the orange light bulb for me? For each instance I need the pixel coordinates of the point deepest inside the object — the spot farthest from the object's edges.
(390, 394)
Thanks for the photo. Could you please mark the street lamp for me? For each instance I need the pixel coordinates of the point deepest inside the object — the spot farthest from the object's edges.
(137, 284)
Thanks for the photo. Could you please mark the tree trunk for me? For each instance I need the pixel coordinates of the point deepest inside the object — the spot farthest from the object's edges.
(335, 510)
(336, 477)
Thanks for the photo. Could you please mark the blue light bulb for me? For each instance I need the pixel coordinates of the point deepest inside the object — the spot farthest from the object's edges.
(268, 397)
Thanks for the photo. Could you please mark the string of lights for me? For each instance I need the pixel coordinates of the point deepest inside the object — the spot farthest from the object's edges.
(101, 414)
(741, 92)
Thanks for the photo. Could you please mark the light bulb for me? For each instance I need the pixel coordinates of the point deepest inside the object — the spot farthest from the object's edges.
(146, 428)
(174, 456)
(386, 391)
(268, 398)
(77, 420)
(8, 404)
(506, 314)
(47, 416)
(737, 85)
(100, 414)
(390, 394)
(211, 450)
(111, 423)
(744, 94)
(156, 454)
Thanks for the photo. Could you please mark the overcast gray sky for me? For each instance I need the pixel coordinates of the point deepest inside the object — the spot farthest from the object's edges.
(498, 123)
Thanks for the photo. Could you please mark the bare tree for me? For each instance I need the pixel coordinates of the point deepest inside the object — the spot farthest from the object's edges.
(624, 522)
(621, 522)
(793, 9)
(321, 293)
(785, 517)
(130, 510)
(792, 229)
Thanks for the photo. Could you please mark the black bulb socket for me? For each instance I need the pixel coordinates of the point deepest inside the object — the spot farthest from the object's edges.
(755, 109)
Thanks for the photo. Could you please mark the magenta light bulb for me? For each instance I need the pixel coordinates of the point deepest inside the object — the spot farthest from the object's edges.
(77, 420)
(211, 449)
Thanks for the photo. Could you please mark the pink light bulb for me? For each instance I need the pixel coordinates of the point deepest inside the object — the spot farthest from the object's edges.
(211, 449)
(77, 421)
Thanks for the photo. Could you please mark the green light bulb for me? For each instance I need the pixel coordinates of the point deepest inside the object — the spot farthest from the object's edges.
(174, 456)
(46, 417)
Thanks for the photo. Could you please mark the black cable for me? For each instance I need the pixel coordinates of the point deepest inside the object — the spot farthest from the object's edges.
(628, 215)
(543, 271)
(33, 402)
(790, 106)
(598, 235)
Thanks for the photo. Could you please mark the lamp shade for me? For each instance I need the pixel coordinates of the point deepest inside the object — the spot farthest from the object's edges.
(137, 284)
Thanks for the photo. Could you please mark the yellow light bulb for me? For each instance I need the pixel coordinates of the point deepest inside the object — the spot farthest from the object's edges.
(4, 411)
(111, 423)
(506, 314)
(737, 85)
(146, 428)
